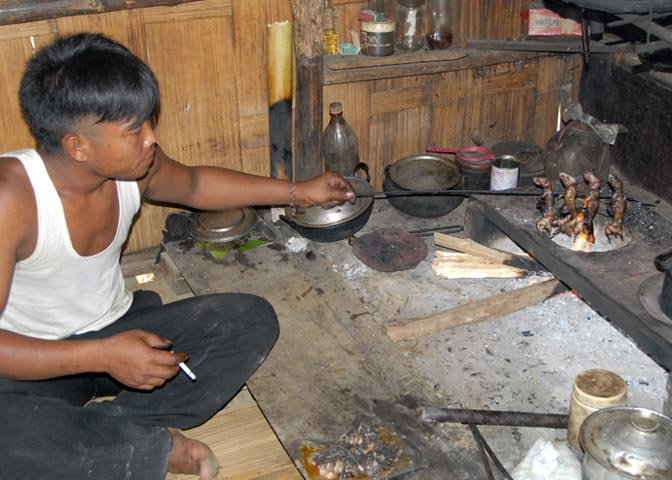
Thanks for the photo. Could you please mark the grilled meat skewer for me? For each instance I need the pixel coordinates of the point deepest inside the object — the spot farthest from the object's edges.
(546, 206)
(567, 224)
(616, 209)
(590, 205)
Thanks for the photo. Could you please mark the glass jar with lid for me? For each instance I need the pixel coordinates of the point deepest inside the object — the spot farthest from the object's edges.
(410, 34)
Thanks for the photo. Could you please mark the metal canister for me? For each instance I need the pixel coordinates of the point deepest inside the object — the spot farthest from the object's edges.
(377, 38)
(593, 390)
(504, 173)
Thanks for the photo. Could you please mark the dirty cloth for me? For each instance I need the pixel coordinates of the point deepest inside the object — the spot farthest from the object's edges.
(51, 430)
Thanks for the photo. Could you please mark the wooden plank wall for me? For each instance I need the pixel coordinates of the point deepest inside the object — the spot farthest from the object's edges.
(210, 58)
(513, 101)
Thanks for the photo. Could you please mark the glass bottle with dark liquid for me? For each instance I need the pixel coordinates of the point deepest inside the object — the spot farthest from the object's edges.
(439, 35)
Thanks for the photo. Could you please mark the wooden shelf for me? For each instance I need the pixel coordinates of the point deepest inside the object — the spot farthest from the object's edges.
(357, 68)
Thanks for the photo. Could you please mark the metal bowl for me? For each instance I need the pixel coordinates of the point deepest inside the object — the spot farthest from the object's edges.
(627, 443)
(222, 226)
(424, 172)
(318, 217)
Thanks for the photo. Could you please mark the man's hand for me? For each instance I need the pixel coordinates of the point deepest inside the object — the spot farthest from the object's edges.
(139, 359)
(328, 190)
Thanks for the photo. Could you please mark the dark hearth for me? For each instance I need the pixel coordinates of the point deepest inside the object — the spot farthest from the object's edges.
(643, 104)
(609, 281)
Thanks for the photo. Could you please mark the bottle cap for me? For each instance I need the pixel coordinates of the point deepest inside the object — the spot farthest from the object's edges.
(600, 388)
(335, 108)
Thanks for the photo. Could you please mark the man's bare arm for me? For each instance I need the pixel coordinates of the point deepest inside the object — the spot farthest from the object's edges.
(214, 188)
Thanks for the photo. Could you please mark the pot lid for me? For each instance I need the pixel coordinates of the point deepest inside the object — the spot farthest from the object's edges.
(630, 441)
(424, 172)
(317, 216)
(223, 225)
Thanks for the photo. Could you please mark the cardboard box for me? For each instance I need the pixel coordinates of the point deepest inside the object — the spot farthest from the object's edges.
(545, 22)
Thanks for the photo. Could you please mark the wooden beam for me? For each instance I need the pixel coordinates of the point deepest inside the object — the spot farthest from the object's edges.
(307, 17)
(491, 307)
(22, 11)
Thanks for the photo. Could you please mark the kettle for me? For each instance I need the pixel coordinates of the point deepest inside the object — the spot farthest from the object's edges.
(663, 263)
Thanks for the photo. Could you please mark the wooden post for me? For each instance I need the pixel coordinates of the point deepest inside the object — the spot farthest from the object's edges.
(307, 17)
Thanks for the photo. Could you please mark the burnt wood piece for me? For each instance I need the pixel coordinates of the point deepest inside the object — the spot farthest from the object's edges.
(608, 281)
(22, 11)
(494, 417)
(308, 97)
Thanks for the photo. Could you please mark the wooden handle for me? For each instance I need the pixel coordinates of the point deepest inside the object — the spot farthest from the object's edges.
(491, 307)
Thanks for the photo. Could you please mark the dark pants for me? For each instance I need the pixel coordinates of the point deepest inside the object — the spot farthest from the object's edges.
(49, 431)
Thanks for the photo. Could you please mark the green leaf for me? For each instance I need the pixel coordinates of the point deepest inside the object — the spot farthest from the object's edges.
(218, 251)
(252, 244)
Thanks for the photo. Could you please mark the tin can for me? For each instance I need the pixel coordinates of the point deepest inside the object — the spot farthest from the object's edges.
(504, 173)
(593, 390)
(377, 38)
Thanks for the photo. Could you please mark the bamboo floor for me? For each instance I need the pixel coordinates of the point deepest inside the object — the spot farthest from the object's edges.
(239, 435)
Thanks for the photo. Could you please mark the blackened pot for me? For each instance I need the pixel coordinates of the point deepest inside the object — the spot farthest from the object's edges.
(420, 173)
(663, 263)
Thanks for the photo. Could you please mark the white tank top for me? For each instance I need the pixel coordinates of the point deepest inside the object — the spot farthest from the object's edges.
(56, 292)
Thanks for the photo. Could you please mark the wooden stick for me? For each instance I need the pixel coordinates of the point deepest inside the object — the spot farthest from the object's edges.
(491, 307)
(463, 265)
(467, 245)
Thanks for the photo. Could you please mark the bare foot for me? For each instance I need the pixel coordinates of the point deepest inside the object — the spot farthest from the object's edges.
(192, 456)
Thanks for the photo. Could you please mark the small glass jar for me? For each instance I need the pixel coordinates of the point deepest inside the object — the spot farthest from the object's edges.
(439, 34)
(410, 35)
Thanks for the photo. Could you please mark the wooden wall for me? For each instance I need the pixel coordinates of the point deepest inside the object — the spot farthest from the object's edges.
(510, 101)
(210, 58)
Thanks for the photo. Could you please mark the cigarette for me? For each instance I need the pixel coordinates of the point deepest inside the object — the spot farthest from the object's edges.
(188, 371)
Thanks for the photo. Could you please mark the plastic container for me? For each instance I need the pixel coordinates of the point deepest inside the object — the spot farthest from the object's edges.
(410, 35)
(593, 390)
(340, 149)
(475, 167)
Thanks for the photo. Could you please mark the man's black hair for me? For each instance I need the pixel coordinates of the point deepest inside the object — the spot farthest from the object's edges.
(85, 75)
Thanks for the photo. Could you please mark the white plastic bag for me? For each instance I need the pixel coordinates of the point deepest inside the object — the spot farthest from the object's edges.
(548, 461)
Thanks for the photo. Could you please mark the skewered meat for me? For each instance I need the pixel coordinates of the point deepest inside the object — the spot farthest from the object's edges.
(590, 205)
(567, 224)
(546, 206)
(616, 209)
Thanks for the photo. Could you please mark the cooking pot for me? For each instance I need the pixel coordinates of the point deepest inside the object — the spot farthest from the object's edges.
(338, 223)
(626, 443)
(422, 173)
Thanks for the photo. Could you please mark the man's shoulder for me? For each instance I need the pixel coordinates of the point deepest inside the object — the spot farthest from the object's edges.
(14, 183)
